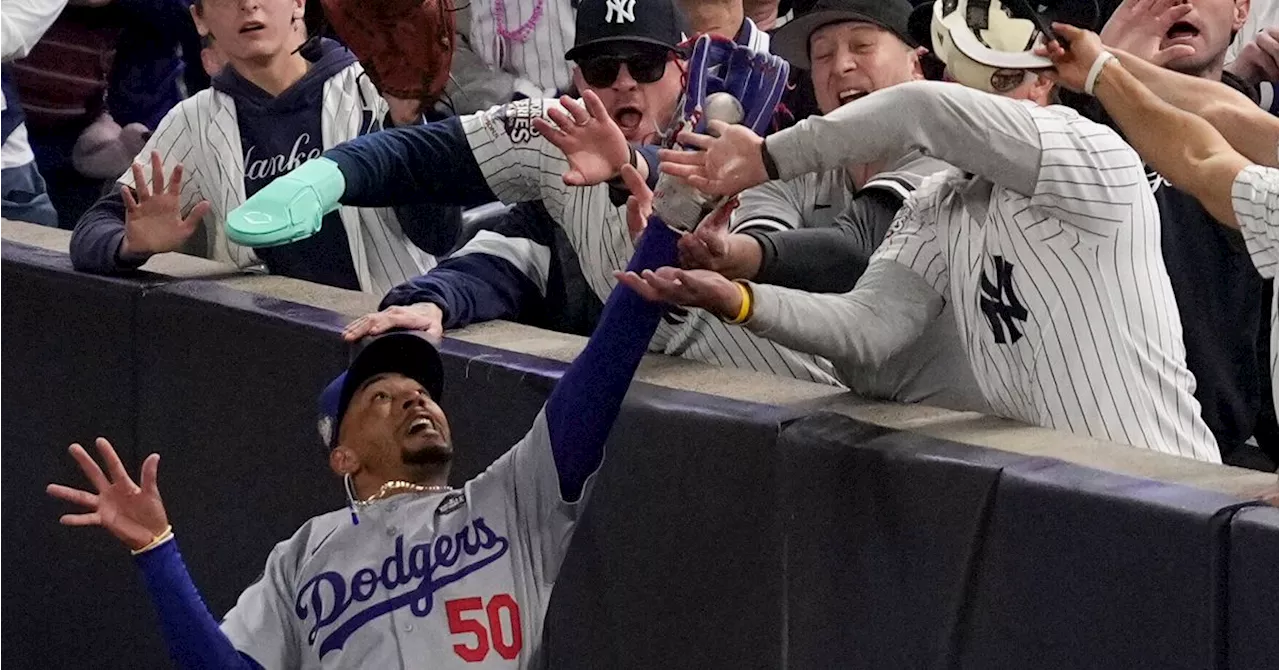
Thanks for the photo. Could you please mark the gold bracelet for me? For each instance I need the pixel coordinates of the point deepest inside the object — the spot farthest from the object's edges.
(155, 542)
(744, 312)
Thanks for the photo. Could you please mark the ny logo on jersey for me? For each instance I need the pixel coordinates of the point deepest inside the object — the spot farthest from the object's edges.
(620, 11)
(1000, 303)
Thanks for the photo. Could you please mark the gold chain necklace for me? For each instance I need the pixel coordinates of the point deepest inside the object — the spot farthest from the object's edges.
(400, 486)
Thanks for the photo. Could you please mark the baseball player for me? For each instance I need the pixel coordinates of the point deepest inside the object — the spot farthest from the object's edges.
(269, 110)
(386, 582)
(383, 583)
(1218, 158)
(1044, 239)
(504, 154)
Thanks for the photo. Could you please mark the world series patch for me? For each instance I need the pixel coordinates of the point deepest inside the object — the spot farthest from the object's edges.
(517, 119)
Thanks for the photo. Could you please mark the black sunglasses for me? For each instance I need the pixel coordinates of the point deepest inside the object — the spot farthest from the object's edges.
(645, 68)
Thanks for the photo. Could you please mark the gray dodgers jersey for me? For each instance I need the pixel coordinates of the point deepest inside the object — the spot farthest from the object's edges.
(446, 580)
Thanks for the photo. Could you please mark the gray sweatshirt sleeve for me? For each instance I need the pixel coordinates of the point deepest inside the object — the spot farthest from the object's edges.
(889, 309)
(984, 134)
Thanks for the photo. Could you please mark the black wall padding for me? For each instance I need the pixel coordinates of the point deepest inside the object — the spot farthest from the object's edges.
(713, 539)
(679, 562)
(1087, 569)
(1252, 593)
(883, 531)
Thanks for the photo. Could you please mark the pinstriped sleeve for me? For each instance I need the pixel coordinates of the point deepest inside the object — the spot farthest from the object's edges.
(913, 239)
(1254, 199)
(518, 163)
(172, 139)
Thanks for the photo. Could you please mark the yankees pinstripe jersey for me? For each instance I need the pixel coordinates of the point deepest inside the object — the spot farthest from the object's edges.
(1046, 243)
(816, 200)
(202, 133)
(934, 369)
(519, 164)
(1254, 199)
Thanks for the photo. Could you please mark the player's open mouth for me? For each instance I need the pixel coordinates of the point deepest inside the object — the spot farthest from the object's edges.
(628, 118)
(846, 97)
(252, 26)
(422, 425)
(1182, 30)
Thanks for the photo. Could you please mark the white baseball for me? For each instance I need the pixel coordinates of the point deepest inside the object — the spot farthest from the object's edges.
(723, 107)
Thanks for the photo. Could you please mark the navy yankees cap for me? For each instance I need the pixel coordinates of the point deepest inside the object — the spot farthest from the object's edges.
(409, 353)
(791, 41)
(609, 24)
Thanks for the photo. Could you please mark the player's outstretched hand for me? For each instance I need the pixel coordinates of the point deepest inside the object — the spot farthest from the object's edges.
(153, 222)
(727, 164)
(1140, 27)
(690, 288)
(590, 140)
(423, 316)
(1259, 61)
(134, 514)
(1071, 64)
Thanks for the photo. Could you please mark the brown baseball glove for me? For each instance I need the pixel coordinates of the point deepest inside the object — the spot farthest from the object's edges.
(406, 46)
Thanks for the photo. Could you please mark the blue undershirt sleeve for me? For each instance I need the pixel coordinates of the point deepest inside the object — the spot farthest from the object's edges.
(585, 402)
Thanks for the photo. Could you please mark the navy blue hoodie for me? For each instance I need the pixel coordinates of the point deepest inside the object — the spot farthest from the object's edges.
(276, 134)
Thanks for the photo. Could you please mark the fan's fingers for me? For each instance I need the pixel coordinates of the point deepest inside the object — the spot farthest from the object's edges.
(140, 182)
(560, 118)
(157, 173)
(683, 171)
(175, 180)
(700, 141)
(636, 184)
(594, 105)
(550, 131)
(198, 212)
(126, 194)
(577, 111)
(677, 157)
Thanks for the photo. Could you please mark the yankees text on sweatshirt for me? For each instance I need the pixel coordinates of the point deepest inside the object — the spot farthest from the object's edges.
(275, 132)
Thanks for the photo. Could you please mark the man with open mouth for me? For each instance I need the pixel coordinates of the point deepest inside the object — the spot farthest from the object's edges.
(818, 231)
(628, 61)
(1221, 297)
(413, 573)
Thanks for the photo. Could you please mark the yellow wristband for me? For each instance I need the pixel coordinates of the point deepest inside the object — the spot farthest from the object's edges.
(744, 312)
(155, 542)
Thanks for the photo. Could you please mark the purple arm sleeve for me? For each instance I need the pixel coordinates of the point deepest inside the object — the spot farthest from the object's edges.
(586, 401)
(194, 638)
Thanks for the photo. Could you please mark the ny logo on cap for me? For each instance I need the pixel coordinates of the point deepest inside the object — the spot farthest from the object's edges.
(620, 11)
